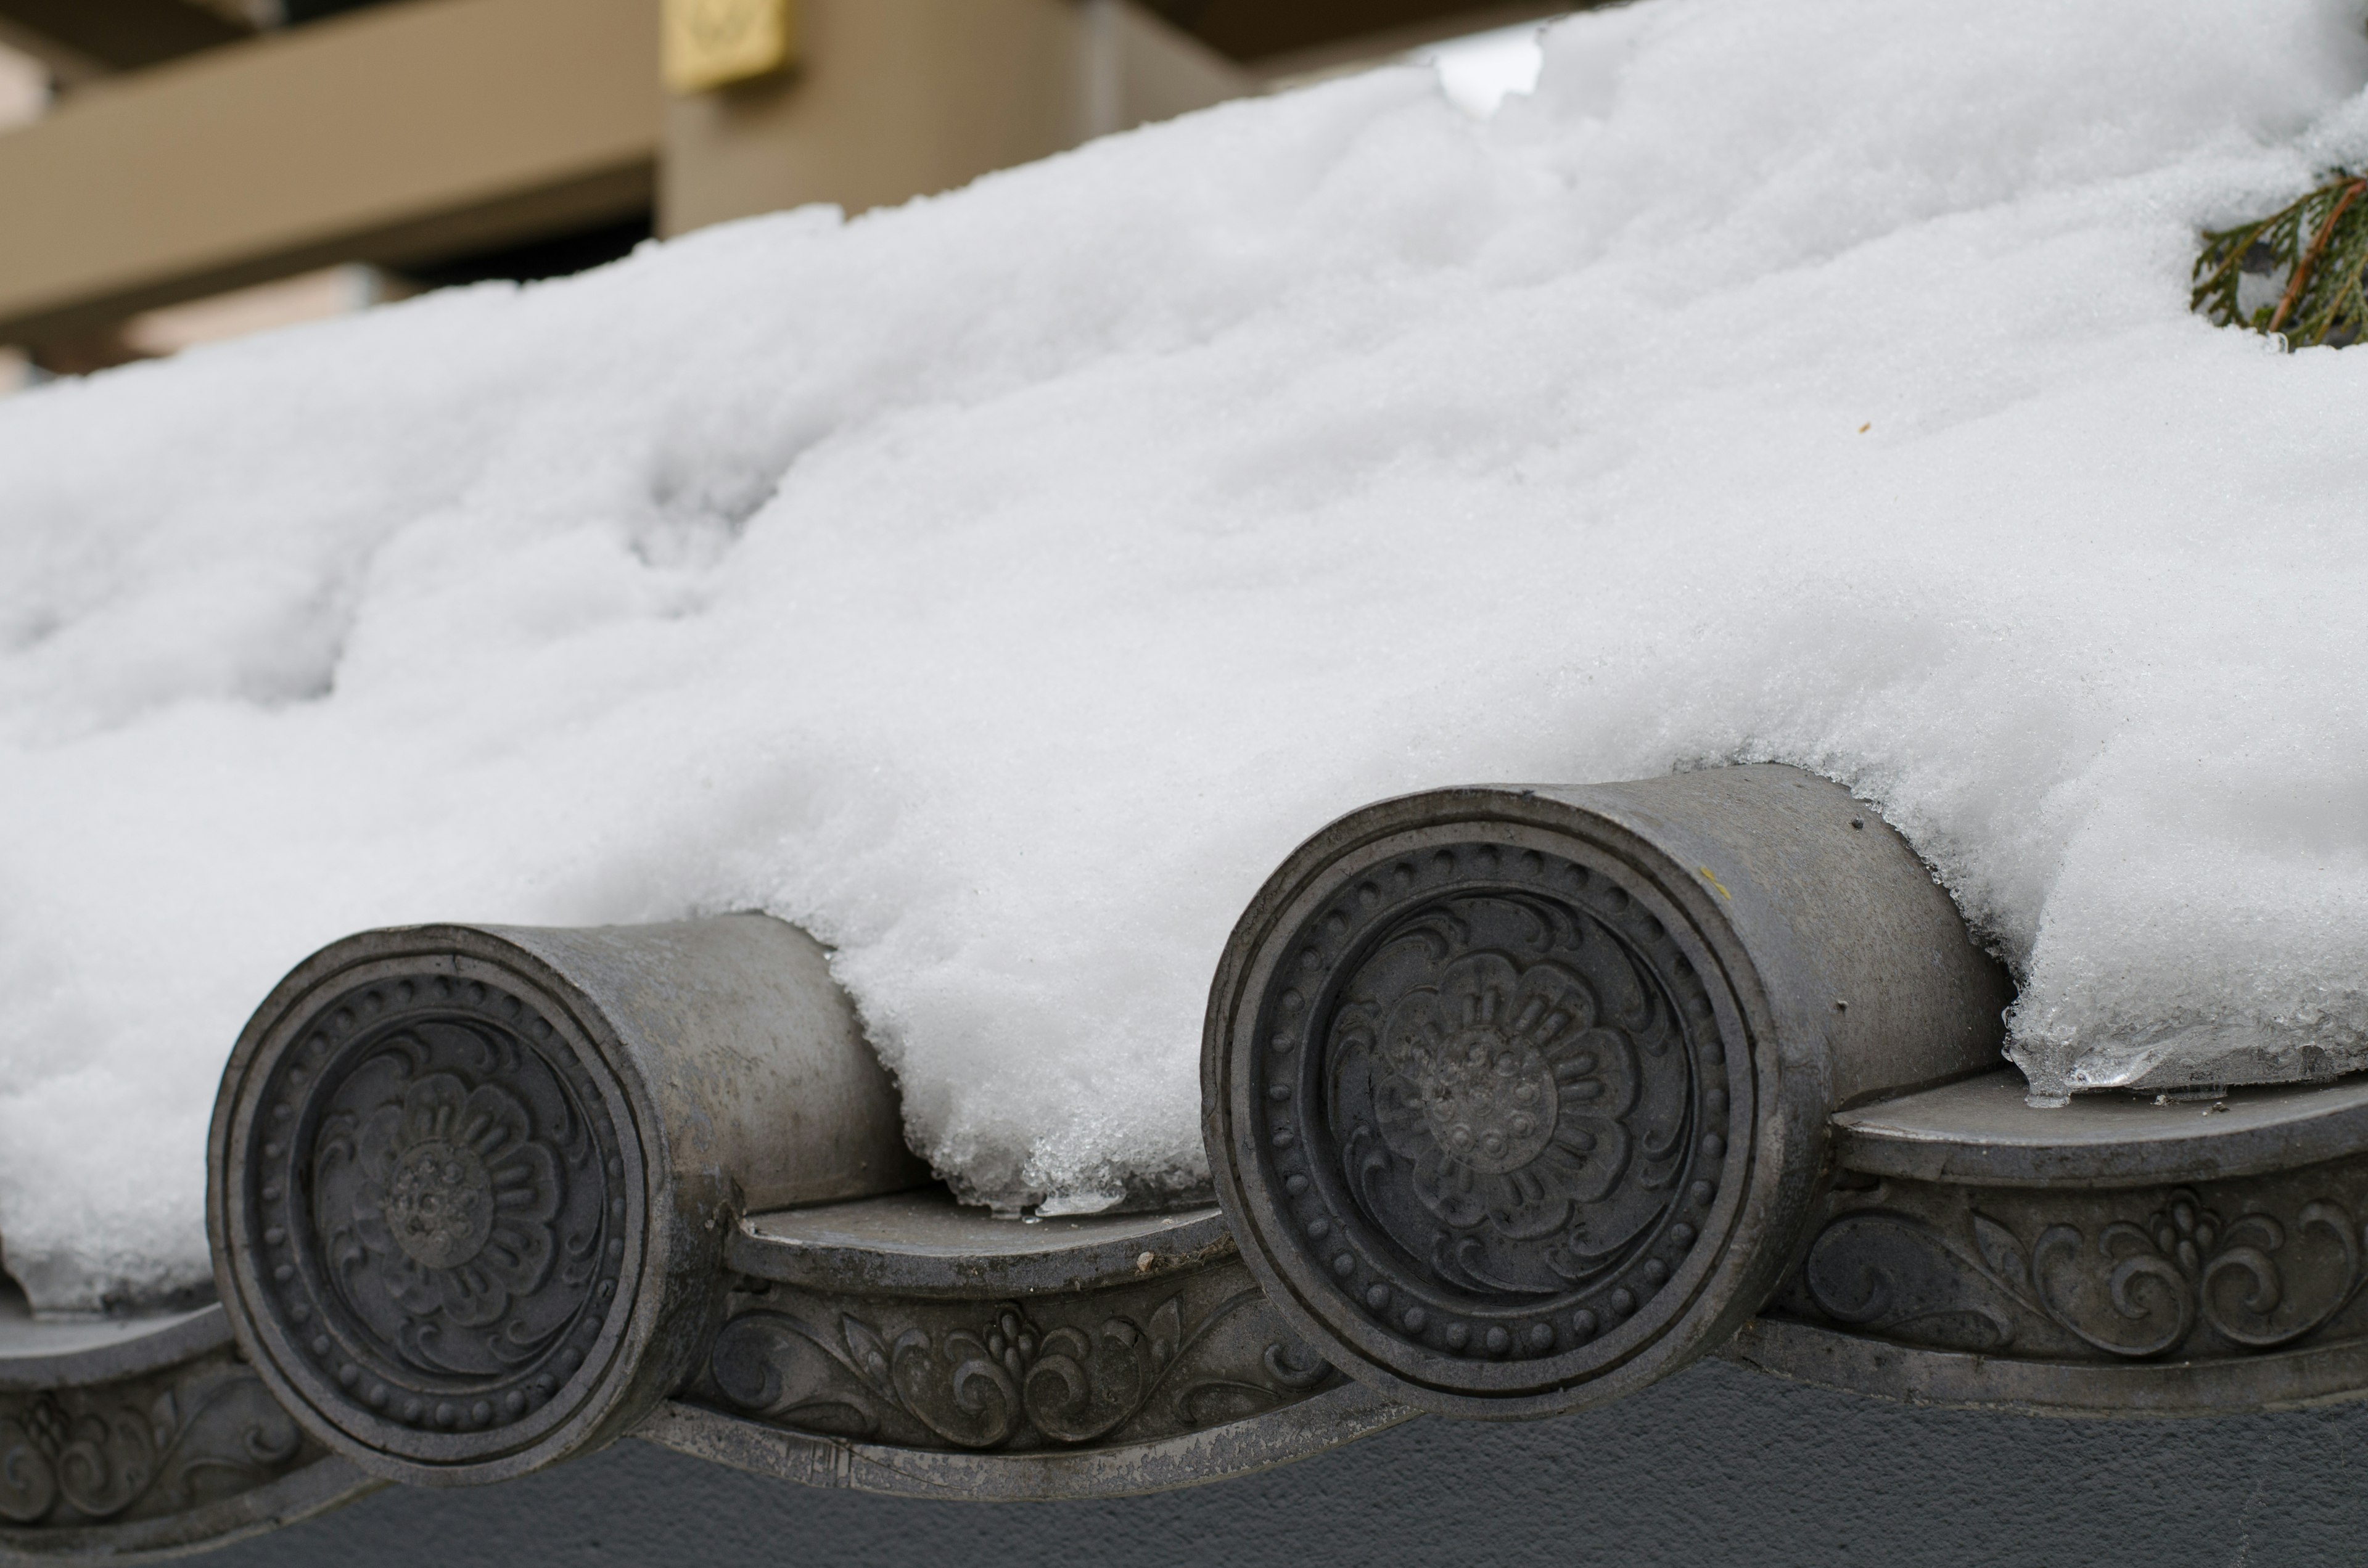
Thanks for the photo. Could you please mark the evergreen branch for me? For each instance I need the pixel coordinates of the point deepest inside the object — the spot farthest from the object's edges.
(2310, 257)
(2317, 244)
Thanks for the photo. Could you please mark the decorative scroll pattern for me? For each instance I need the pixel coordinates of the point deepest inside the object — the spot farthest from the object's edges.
(1103, 1368)
(144, 1448)
(1496, 1102)
(1506, 1091)
(436, 1187)
(455, 1200)
(2228, 1269)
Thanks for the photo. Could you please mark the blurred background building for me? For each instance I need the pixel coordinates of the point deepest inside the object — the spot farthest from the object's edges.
(175, 171)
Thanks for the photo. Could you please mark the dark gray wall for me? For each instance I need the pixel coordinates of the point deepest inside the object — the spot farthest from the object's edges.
(1716, 1467)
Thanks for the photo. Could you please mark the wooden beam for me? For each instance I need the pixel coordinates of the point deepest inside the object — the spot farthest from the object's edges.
(115, 35)
(399, 135)
(1359, 50)
(1256, 30)
(898, 98)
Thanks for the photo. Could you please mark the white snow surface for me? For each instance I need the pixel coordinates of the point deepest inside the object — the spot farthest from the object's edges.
(1001, 585)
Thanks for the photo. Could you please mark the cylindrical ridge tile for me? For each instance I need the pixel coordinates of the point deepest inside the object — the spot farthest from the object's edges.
(1517, 1096)
(468, 1186)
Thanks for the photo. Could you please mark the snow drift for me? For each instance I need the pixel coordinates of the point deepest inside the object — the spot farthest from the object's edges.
(999, 587)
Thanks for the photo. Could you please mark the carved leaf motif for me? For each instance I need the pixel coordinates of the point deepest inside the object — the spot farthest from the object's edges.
(975, 1406)
(1012, 1380)
(2148, 1305)
(95, 1455)
(1166, 1330)
(782, 1366)
(2133, 1287)
(111, 1461)
(228, 1434)
(28, 1483)
(1083, 1387)
(2256, 1278)
(868, 1354)
(2002, 1252)
(1894, 1275)
(2252, 1319)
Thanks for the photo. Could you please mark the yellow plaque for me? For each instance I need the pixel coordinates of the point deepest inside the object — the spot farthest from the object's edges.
(710, 43)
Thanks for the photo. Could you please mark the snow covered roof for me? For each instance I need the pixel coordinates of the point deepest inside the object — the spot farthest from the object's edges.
(1000, 586)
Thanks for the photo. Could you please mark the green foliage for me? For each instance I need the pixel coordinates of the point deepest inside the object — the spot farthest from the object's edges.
(2311, 257)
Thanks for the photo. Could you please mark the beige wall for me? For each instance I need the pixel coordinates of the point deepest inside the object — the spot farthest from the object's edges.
(417, 132)
(24, 88)
(411, 133)
(384, 136)
(1138, 69)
